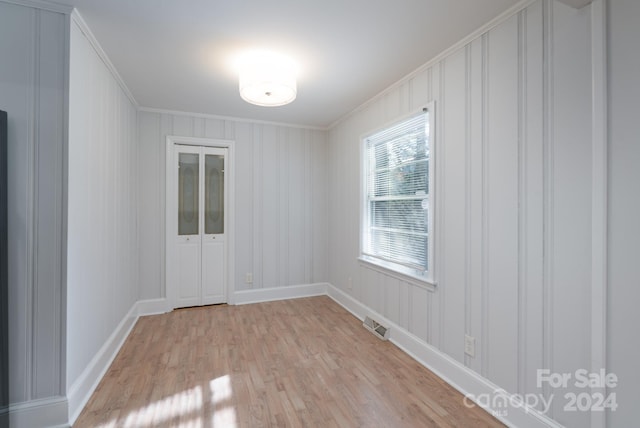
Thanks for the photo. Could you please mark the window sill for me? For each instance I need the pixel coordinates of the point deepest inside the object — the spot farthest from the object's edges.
(418, 281)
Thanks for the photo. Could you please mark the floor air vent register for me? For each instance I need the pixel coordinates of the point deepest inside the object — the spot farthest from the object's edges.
(376, 328)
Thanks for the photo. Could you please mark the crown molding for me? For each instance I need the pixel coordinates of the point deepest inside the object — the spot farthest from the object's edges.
(76, 17)
(229, 118)
(42, 4)
(577, 4)
(523, 4)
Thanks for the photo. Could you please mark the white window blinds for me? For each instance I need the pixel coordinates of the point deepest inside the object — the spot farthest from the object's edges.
(397, 194)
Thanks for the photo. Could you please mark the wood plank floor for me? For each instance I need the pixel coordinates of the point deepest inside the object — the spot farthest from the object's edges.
(293, 363)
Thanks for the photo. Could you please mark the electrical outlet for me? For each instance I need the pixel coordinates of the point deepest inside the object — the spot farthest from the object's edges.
(248, 278)
(470, 345)
(349, 284)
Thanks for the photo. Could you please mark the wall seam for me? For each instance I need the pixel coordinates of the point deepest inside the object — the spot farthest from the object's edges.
(547, 310)
(600, 159)
(467, 198)
(485, 208)
(32, 231)
(440, 156)
(522, 202)
(61, 309)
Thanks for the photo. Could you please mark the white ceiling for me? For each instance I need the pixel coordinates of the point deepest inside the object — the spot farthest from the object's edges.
(177, 55)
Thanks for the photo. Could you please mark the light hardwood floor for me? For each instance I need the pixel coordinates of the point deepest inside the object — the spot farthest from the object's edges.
(303, 362)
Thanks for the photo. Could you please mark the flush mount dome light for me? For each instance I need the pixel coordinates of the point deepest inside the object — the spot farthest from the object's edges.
(267, 79)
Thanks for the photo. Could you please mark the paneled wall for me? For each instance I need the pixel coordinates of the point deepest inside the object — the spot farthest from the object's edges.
(281, 226)
(624, 210)
(33, 59)
(102, 259)
(513, 182)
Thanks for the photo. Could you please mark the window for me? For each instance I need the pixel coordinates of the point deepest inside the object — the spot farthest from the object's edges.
(396, 229)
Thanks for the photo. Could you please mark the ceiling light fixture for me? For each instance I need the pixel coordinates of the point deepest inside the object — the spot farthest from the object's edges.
(267, 79)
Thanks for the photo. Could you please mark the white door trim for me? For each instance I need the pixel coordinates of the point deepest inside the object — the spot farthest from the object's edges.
(170, 219)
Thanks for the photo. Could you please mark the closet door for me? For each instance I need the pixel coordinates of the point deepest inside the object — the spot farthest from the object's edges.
(198, 274)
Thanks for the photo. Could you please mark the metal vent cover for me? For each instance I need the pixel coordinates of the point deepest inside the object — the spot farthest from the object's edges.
(376, 328)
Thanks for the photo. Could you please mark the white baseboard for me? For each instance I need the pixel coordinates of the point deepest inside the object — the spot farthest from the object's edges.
(49, 412)
(278, 293)
(152, 307)
(80, 391)
(465, 380)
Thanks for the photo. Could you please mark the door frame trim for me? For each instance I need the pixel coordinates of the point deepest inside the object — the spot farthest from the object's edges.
(171, 142)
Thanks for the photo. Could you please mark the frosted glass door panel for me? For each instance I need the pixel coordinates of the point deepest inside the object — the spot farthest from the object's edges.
(188, 188)
(214, 194)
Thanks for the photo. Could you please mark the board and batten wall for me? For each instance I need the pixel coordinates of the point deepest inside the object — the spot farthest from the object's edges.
(624, 209)
(102, 258)
(513, 202)
(33, 87)
(281, 199)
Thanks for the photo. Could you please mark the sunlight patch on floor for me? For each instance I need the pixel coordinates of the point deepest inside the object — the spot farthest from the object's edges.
(221, 391)
(182, 403)
(225, 417)
(186, 409)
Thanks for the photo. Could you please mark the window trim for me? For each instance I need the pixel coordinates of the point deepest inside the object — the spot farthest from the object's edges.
(428, 279)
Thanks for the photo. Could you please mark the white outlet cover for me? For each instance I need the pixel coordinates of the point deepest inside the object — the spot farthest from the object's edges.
(469, 345)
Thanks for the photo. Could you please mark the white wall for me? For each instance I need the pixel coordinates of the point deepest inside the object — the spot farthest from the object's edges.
(102, 256)
(513, 224)
(624, 209)
(33, 92)
(281, 199)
